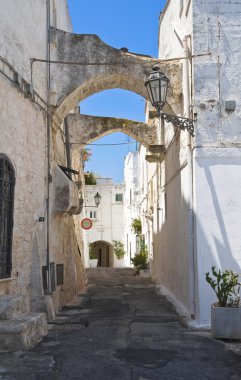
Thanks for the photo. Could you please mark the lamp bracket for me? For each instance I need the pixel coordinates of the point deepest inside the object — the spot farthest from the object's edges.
(89, 206)
(179, 122)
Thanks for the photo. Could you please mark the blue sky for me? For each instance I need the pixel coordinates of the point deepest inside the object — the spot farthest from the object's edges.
(124, 23)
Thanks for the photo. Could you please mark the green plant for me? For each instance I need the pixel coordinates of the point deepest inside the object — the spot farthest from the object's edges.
(118, 248)
(136, 226)
(140, 262)
(226, 286)
(90, 179)
(92, 255)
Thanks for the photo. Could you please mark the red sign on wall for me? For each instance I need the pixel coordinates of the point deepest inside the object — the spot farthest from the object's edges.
(86, 224)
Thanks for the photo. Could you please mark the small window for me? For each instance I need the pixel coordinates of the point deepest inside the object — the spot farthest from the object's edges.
(119, 197)
(92, 214)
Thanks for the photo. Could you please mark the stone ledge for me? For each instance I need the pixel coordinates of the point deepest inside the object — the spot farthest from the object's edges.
(22, 332)
(7, 279)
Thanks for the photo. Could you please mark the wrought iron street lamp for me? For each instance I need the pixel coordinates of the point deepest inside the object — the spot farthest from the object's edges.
(97, 199)
(157, 85)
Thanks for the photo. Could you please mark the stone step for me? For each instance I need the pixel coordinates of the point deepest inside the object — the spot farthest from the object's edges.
(11, 306)
(22, 332)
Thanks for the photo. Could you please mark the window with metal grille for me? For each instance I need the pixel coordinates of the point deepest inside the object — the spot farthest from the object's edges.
(119, 197)
(7, 182)
(92, 214)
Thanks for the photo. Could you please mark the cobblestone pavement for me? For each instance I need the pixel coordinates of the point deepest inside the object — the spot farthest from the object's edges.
(121, 329)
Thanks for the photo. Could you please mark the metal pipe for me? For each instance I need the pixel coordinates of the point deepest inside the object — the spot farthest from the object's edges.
(67, 143)
(192, 268)
(48, 122)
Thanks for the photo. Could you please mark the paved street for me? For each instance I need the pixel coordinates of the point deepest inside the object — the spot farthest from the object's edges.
(121, 329)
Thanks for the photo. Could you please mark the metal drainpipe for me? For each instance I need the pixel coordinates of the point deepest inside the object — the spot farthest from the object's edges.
(186, 91)
(48, 139)
(67, 143)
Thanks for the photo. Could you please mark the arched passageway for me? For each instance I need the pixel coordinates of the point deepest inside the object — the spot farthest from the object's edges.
(85, 65)
(104, 253)
(85, 129)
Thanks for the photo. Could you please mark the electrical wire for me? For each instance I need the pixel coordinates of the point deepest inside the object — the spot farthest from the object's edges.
(81, 143)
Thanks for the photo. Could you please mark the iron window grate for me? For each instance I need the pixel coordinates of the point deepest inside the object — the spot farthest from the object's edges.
(7, 183)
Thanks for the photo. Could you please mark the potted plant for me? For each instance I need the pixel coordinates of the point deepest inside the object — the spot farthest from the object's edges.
(140, 261)
(118, 248)
(226, 313)
(136, 226)
(92, 256)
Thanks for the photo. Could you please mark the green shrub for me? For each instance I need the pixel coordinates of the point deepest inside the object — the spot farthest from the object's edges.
(90, 179)
(136, 226)
(226, 286)
(92, 255)
(118, 248)
(140, 262)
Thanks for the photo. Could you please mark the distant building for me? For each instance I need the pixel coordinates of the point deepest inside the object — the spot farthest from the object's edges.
(131, 204)
(108, 220)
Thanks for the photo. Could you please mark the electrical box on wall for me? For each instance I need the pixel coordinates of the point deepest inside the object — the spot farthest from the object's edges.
(230, 105)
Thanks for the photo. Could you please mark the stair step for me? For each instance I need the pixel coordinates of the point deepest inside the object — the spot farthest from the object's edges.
(11, 306)
(22, 332)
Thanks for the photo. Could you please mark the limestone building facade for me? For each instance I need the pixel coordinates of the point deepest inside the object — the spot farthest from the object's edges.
(45, 276)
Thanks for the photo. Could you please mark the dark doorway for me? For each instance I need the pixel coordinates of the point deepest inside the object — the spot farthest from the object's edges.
(102, 251)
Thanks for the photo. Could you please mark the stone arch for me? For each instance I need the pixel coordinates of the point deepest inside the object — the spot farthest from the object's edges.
(84, 129)
(104, 252)
(85, 65)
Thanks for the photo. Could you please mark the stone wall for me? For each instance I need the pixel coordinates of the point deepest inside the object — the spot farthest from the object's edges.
(23, 140)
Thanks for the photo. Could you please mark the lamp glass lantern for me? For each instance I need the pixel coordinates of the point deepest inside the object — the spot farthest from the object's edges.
(157, 85)
(97, 199)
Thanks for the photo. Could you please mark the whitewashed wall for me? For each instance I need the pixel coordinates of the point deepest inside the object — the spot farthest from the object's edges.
(109, 222)
(217, 161)
(214, 43)
(168, 181)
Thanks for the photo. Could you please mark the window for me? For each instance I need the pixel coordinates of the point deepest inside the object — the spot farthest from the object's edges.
(92, 214)
(119, 197)
(7, 182)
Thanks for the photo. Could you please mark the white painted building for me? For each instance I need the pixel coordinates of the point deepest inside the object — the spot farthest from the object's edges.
(195, 191)
(108, 220)
(131, 202)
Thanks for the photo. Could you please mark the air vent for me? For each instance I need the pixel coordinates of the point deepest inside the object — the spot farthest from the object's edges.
(28, 90)
(18, 80)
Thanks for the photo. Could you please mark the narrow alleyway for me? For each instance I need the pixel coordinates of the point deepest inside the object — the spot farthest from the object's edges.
(121, 329)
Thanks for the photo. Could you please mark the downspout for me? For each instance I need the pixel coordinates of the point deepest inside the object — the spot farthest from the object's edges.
(67, 143)
(49, 179)
(186, 91)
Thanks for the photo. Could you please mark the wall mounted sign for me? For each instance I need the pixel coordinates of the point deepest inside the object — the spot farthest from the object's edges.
(86, 224)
